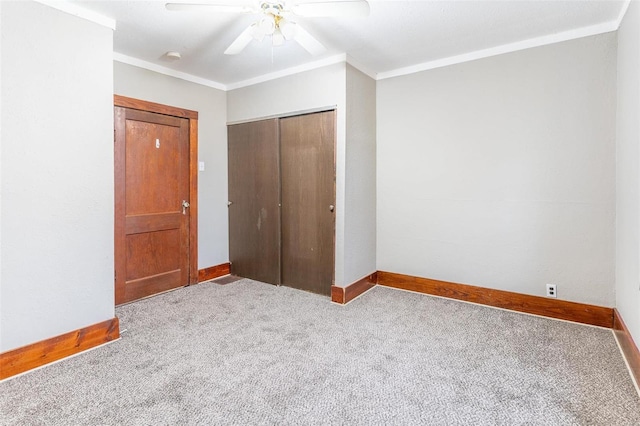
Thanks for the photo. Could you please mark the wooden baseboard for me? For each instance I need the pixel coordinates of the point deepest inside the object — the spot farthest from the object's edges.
(212, 272)
(344, 295)
(37, 354)
(547, 307)
(628, 346)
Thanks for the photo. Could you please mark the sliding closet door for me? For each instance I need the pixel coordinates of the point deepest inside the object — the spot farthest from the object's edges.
(307, 157)
(254, 221)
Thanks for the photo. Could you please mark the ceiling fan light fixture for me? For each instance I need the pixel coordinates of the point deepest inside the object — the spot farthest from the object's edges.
(273, 22)
(267, 25)
(277, 38)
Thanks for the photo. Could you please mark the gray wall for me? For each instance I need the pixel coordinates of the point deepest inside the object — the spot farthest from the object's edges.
(360, 179)
(213, 234)
(627, 172)
(57, 173)
(1, 135)
(319, 88)
(501, 172)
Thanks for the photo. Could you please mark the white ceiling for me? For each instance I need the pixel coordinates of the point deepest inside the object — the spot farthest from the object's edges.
(398, 36)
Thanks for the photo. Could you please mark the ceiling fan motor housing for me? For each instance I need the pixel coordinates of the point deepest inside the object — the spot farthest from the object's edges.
(274, 24)
(273, 8)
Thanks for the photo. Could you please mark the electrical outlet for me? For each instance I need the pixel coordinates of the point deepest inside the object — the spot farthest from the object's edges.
(551, 290)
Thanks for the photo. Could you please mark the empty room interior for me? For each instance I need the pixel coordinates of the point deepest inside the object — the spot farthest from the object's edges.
(320, 212)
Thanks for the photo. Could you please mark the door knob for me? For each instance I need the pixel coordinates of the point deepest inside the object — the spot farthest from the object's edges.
(331, 208)
(185, 204)
(229, 203)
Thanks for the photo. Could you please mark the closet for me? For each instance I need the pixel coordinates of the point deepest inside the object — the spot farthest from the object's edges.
(281, 200)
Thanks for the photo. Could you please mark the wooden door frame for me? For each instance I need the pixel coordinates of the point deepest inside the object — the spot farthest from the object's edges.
(119, 181)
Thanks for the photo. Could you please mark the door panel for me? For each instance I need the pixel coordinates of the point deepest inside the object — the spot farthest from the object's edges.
(151, 252)
(254, 218)
(307, 147)
(152, 169)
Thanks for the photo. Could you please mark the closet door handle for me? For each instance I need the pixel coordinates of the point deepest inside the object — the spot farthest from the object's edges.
(332, 208)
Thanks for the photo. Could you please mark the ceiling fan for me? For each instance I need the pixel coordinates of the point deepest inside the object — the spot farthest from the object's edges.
(276, 21)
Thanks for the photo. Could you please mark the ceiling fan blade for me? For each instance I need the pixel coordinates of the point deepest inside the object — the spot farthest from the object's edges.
(347, 8)
(308, 42)
(241, 42)
(221, 7)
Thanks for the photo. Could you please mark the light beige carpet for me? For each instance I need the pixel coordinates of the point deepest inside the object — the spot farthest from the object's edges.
(251, 353)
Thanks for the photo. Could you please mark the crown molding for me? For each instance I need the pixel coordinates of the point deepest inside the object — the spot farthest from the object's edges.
(130, 60)
(342, 58)
(337, 59)
(345, 58)
(367, 71)
(623, 12)
(80, 12)
(506, 48)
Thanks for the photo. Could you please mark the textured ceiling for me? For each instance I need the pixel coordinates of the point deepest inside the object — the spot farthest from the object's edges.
(397, 34)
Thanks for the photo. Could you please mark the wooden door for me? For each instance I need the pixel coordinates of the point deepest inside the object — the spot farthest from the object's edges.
(152, 156)
(254, 217)
(307, 156)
